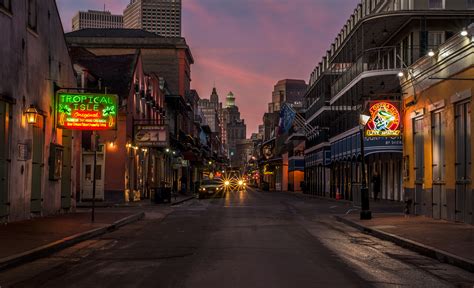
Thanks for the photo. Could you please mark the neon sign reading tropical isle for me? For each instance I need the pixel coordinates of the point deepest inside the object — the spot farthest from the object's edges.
(85, 111)
(384, 120)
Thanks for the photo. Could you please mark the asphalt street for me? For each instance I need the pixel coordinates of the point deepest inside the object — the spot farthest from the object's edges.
(247, 239)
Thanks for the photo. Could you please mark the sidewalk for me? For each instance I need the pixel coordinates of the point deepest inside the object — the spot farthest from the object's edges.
(180, 198)
(28, 240)
(448, 242)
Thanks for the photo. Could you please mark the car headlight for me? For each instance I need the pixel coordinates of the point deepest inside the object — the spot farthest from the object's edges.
(203, 188)
(227, 183)
(241, 182)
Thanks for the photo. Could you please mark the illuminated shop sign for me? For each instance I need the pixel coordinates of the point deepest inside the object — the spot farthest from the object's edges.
(384, 120)
(85, 111)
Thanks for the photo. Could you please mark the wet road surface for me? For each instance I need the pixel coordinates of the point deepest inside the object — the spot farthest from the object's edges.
(247, 239)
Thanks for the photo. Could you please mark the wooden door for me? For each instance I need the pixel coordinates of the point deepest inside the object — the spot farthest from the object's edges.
(66, 178)
(4, 158)
(37, 167)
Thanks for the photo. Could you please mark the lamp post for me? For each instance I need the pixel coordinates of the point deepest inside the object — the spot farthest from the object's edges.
(365, 213)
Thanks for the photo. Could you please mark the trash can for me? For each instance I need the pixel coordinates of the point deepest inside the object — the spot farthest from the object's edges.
(158, 195)
(166, 194)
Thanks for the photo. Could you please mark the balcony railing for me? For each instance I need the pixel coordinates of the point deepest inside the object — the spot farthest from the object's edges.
(378, 59)
(322, 136)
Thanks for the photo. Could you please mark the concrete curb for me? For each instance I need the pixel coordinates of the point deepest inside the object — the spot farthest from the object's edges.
(183, 200)
(422, 249)
(48, 249)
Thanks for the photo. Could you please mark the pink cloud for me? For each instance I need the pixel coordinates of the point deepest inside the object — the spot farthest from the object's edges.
(248, 45)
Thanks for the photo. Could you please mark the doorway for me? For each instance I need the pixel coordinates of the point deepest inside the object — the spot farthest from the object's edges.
(87, 176)
(66, 179)
(419, 155)
(439, 203)
(37, 166)
(463, 209)
(4, 157)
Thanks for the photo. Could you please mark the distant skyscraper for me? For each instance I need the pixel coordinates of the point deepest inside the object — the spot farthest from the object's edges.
(96, 19)
(230, 100)
(158, 16)
(289, 91)
(210, 109)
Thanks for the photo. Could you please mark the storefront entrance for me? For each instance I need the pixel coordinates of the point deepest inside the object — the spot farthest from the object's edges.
(87, 176)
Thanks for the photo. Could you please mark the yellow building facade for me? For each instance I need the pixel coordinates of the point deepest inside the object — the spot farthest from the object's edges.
(437, 129)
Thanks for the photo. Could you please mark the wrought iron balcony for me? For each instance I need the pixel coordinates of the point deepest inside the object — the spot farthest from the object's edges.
(372, 60)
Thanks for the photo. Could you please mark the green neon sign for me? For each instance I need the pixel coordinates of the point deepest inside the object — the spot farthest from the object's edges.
(86, 111)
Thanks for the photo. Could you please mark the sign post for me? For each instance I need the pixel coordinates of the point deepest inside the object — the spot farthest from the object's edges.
(87, 111)
(94, 147)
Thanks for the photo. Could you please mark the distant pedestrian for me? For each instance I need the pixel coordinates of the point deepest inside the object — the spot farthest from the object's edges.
(376, 185)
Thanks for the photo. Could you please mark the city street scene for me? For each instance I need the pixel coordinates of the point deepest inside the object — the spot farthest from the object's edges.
(236, 143)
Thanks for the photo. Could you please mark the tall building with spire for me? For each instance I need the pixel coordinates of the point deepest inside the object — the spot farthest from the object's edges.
(210, 109)
(214, 97)
(234, 129)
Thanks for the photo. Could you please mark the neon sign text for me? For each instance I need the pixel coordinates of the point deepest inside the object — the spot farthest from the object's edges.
(85, 111)
(384, 120)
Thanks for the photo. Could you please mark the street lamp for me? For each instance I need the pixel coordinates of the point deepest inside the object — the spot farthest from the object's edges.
(31, 115)
(365, 213)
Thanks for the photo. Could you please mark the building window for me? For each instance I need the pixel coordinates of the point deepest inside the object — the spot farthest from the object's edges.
(32, 14)
(6, 4)
(436, 4)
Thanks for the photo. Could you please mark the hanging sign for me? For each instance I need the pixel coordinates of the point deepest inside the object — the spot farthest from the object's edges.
(151, 135)
(384, 120)
(86, 111)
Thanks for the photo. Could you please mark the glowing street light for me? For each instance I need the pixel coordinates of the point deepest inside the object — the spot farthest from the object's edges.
(363, 119)
(31, 115)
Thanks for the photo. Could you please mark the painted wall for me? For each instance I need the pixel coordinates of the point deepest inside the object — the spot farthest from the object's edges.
(32, 59)
(439, 95)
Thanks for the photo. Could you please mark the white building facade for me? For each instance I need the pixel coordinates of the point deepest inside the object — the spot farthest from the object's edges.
(96, 19)
(158, 16)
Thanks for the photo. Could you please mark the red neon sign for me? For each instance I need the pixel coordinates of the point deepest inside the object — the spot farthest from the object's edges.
(384, 120)
(84, 111)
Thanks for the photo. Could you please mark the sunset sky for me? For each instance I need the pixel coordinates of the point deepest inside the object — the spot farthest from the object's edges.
(246, 46)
